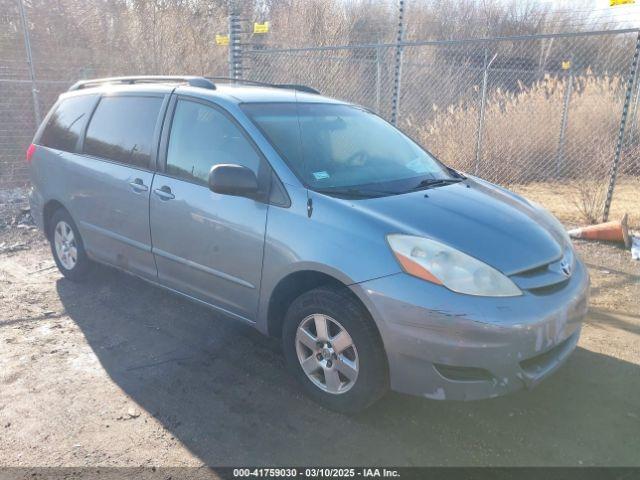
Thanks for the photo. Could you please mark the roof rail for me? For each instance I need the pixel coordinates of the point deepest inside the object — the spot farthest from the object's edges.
(201, 82)
(288, 86)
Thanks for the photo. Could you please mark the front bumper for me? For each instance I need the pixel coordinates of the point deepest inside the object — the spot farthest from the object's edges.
(444, 345)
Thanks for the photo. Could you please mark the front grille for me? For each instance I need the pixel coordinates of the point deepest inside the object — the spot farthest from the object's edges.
(549, 289)
(549, 278)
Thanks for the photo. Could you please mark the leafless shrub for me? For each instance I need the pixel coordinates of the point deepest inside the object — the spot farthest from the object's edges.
(588, 198)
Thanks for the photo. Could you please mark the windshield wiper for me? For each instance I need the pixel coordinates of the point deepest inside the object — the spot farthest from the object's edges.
(354, 192)
(456, 173)
(436, 182)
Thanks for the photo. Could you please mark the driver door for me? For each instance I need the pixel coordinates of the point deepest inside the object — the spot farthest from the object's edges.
(208, 245)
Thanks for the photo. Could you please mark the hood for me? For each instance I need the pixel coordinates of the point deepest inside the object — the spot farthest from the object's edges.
(482, 220)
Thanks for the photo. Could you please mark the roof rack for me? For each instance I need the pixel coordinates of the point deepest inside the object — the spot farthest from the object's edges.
(201, 82)
(288, 86)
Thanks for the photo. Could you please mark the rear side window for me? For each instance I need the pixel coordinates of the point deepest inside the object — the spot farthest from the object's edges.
(67, 123)
(122, 128)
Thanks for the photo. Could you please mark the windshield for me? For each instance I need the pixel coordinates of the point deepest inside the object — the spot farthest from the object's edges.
(344, 149)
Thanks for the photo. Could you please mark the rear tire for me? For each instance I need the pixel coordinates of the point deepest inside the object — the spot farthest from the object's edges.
(345, 366)
(67, 247)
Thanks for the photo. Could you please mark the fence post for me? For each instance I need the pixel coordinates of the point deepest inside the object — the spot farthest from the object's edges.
(483, 102)
(32, 73)
(634, 116)
(568, 89)
(235, 48)
(395, 99)
(623, 123)
(378, 74)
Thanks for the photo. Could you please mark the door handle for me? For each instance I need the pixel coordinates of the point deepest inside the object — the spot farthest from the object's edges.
(138, 185)
(164, 193)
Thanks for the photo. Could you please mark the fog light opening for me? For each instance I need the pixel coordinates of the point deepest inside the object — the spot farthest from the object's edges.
(463, 374)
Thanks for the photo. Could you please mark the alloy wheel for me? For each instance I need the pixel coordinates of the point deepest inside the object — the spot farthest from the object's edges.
(65, 245)
(327, 354)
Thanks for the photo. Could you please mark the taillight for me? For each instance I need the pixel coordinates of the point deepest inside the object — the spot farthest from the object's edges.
(30, 151)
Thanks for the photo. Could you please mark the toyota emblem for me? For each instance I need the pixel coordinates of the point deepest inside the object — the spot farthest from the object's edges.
(565, 266)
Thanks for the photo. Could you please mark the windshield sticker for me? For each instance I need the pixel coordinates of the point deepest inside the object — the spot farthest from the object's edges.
(418, 166)
(320, 175)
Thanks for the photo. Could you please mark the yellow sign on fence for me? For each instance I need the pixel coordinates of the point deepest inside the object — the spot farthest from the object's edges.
(261, 27)
(613, 3)
(222, 39)
(566, 64)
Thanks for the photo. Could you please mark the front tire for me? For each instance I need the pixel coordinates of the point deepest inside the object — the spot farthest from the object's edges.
(67, 247)
(333, 348)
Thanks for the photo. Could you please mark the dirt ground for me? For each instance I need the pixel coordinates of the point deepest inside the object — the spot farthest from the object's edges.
(116, 372)
(563, 199)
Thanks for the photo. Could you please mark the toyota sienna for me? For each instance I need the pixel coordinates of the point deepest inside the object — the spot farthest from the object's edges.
(317, 222)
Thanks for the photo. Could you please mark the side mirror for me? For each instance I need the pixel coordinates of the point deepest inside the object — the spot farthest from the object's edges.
(236, 180)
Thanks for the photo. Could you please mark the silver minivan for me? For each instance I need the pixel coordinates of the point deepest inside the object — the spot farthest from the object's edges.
(317, 222)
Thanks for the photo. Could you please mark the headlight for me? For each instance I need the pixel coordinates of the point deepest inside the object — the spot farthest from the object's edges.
(443, 265)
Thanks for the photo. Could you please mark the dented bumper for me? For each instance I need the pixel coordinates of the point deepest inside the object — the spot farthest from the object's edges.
(444, 345)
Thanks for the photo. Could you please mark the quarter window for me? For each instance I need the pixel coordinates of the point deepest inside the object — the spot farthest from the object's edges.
(67, 122)
(201, 137)
(122, 129)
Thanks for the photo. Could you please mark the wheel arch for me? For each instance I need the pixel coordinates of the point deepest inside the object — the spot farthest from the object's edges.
(47, 212)
(292, 286)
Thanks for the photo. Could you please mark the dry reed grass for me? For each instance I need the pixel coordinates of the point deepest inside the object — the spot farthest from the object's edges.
(517, 151)
(518, 126)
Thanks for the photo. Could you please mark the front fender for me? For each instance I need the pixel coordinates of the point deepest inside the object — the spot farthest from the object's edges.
(336, 240)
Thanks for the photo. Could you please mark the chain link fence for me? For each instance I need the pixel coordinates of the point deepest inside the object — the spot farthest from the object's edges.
(518, 111)
(36, 68)
(510, 110)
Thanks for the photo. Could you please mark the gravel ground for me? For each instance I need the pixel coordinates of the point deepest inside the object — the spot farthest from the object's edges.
(115, 372)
